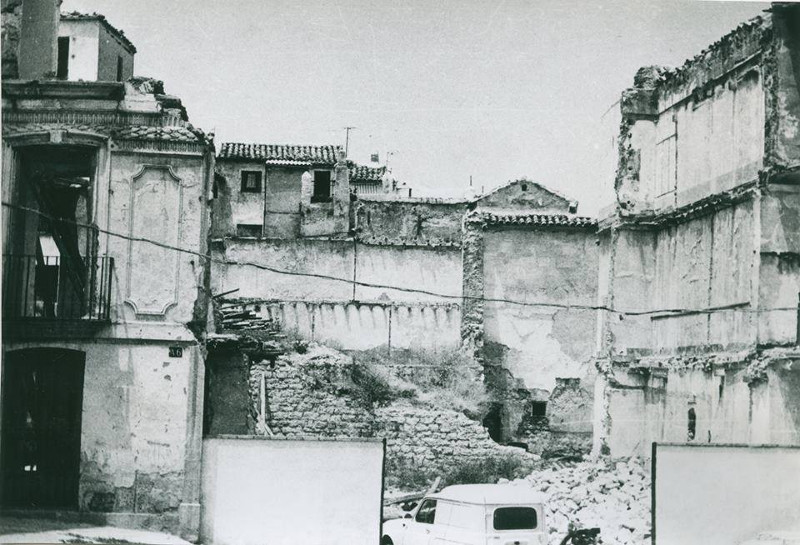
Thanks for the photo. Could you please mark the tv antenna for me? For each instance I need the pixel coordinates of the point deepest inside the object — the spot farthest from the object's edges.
(347, 139)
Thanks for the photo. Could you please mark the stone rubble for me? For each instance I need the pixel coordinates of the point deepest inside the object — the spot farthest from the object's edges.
(611, 495)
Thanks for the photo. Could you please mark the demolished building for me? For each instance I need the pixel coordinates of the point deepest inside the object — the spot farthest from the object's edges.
(699, 259)
(508, 276)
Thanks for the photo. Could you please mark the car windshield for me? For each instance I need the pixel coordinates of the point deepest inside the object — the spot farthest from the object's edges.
(515, 518)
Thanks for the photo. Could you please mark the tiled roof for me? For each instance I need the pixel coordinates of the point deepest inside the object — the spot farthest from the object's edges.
(124, 132)
(119, 34)
(362, 173)
(280, 154)
(547, 220)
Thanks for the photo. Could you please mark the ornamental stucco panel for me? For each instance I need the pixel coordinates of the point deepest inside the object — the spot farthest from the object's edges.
(156, 210)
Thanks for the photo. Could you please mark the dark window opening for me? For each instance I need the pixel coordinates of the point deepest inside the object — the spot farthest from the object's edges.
(248, 230)
(62, 72)
(251, 181)
(322, 186)
(692, 424)
(524, 187)
(515, 518)
(427, 512)
(52, 267)
(119, 67)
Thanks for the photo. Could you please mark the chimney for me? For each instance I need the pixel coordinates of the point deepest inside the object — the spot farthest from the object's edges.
(341, 195)
(39, 39)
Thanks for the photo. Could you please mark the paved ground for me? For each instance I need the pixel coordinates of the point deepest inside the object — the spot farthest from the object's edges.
(31, 530)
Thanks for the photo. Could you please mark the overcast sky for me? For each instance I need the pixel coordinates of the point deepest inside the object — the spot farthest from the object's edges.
(493, 89)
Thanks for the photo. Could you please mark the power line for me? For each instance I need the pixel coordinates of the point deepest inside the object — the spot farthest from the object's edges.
(708, 310)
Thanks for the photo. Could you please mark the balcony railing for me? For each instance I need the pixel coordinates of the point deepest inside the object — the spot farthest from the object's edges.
(48, 288)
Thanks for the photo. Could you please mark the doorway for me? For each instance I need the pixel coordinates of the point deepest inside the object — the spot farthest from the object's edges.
(41, 433)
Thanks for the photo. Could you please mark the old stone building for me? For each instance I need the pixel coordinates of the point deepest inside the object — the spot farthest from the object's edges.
(411, 274)
(699, 258)
(105, 221)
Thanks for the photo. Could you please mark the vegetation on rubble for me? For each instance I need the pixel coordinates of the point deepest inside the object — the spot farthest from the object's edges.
(407, 475)
(443, 379)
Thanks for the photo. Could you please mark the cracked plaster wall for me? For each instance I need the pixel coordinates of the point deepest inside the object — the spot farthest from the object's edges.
(740, 250)
(647, 407)
(134, 427)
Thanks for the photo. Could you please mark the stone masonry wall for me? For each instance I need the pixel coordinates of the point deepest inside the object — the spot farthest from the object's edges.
(313, 395)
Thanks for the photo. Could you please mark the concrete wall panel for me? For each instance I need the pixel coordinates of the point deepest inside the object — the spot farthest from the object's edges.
(723, 494)
(293, 491)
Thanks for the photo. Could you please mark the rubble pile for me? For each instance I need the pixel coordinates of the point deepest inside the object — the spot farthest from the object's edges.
(612, 496)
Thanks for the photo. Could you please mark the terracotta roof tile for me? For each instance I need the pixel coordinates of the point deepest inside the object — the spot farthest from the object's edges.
(280, 154)
(547, 220)
(362, 173)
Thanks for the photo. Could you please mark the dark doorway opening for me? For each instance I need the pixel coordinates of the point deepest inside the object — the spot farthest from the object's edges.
(41, 434)
(493, 422)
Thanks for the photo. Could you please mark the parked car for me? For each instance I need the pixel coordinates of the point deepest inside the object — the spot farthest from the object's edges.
(472, 514)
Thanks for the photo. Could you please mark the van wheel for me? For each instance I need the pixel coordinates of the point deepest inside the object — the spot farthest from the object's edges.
(387, 541)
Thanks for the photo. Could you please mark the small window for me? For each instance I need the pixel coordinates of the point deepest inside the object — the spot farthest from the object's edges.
(692, 428)
(251, 181)
(427, 511)
(523, 187)
(62, 72)
(322, 186)
(248, 230)
(119, 67)
(515, 518)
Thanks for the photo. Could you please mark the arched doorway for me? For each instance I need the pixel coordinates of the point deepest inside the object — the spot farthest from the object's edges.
(41, 433)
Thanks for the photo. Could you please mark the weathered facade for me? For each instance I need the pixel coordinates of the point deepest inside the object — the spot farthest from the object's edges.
(105, 221)
(412, 274)
(699, 261)
(91, 49)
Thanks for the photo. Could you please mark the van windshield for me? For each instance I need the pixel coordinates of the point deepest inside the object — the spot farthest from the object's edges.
(515, 518)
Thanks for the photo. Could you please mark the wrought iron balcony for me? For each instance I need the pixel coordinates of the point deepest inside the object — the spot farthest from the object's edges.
(47, 288)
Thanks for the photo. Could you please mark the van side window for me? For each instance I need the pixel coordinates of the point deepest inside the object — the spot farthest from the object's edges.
(515, 518)
(426, 512)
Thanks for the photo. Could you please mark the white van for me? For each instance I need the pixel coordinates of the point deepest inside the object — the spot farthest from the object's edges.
(472, 514)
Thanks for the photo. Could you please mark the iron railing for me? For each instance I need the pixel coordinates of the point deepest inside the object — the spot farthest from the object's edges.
(50, 288)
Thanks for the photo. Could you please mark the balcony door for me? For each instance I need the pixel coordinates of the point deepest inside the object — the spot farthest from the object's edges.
(41, 433)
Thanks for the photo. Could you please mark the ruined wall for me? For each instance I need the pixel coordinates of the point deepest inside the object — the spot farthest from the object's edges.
(783, 100)
(540, 343)
(322, 257)
(729, 405)
(433, 270)
(707, 262)
(714, 141)
(779, 271)
(434, 222)
(311, 395)
(362, 326)
(697, 130)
